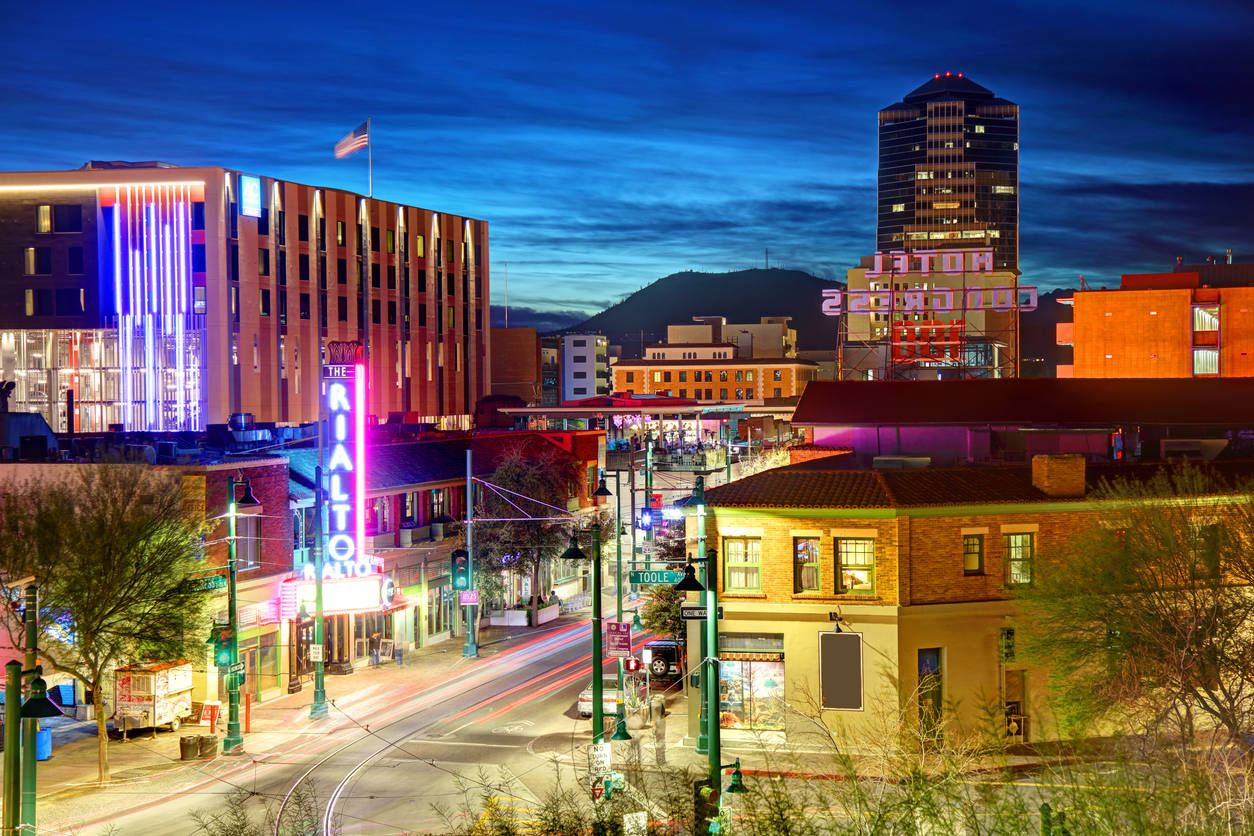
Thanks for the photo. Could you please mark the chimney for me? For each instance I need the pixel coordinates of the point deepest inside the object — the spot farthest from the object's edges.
(1229, 255)
(1060, 475)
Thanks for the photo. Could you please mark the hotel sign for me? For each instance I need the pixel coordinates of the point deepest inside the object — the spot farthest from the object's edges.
(949, 262)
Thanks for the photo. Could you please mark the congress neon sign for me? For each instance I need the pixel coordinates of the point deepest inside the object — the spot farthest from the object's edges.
(344, 387)
(932, 301)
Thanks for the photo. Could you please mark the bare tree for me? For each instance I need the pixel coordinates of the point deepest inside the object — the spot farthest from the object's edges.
(1143, 618)
(112, 548)
(525, 508)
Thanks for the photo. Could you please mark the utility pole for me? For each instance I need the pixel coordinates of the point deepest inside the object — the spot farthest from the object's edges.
(620, 721)
(698, 495)
(30, 727)
(471, 649)
(233, 743)
(319, 706)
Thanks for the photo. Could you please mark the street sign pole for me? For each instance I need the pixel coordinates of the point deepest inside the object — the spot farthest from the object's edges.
(233, 743)
(698, 494)
(620, 719)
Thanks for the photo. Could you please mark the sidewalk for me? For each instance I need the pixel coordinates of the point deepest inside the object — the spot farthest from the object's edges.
(275, 723)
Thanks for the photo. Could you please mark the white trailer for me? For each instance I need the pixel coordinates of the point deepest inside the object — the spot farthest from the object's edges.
(151, 694)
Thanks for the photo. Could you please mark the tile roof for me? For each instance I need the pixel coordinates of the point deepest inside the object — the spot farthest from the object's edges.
(1074, 402)
(799, 486)
(430, 462)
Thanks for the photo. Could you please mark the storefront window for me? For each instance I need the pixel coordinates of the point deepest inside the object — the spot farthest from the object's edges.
(751, 682)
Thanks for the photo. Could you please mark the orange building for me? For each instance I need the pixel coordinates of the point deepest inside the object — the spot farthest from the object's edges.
(1163, 325)
(727, 378)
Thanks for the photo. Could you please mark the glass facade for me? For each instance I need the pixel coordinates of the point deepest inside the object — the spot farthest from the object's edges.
(949, 171)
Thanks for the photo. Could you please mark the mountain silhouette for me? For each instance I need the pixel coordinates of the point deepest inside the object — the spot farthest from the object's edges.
(740, 296)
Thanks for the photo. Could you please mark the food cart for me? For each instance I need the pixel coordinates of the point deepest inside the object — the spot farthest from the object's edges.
(151, 694)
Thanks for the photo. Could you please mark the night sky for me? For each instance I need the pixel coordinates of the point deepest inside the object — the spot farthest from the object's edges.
(610, 144)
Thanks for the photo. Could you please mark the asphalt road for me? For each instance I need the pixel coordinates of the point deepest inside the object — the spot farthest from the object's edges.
(383, 772)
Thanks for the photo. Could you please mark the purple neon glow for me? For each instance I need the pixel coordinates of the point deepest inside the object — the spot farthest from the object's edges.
(152, 284)
(359, 439)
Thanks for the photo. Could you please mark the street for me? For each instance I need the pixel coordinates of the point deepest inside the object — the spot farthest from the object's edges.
(380, 765)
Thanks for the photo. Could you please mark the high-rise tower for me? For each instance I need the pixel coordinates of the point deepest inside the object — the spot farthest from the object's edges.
(949, 171)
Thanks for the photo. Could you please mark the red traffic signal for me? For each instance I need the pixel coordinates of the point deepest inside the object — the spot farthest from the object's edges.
(632, 664)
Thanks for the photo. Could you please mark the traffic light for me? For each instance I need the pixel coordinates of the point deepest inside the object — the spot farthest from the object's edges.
(705, 807)
(461, 570)
(221, 638)
(632, 664)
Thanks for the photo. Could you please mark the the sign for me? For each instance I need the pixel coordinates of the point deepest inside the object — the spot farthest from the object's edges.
(618, 639)
(344, 390)
(655, 500)
(599, 763)
(209, 711)
(696, 612)
(660, 576)
(339, 596)
(646, 548)
(931, 301)
(250, 196)
(598, 790)
(949, 262)
(211, 582)
(636, 824)
(468, 598)
(315, 652)
(840, 671)
(237, 667)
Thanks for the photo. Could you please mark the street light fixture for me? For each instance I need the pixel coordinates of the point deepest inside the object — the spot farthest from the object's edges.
(573, 552)
(710, 676)
(233, 743)
(19, 784)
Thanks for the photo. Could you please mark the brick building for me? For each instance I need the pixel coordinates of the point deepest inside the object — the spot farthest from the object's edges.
(166, 298)
(516, 364)
(920, 567)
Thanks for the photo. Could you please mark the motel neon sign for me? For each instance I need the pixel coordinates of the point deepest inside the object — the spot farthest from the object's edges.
(344, 496)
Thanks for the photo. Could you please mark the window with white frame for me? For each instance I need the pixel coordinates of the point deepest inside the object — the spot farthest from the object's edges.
(742, 564)
(855, 564)
(1020, 551)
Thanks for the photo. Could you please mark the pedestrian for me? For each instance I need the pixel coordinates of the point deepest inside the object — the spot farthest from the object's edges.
(374, 649)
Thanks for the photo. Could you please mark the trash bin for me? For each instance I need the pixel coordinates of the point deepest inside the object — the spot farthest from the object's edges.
(208, 745)
(43, 744)
(189, 747)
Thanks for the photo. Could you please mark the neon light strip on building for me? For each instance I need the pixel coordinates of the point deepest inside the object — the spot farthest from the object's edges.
(158, 339)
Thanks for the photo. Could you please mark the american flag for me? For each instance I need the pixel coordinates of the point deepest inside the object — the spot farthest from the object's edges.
(354, 140)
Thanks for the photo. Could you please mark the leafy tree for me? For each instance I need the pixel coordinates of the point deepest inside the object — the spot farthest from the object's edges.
(526, 507)
(660, 610)
(112, 547)
(1142, 618)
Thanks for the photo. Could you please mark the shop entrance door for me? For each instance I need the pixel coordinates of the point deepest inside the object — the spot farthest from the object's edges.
(751, 691)
(931, 693)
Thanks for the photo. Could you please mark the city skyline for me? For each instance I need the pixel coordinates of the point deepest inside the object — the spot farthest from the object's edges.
(607, 151)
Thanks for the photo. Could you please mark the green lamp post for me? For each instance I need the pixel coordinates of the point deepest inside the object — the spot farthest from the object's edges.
(573, 552)
(233, 743)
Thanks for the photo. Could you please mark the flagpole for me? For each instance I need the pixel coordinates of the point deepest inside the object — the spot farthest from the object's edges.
(369, 157)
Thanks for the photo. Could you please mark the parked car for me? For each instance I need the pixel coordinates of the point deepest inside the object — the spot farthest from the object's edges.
(662, 657)
(609, 696)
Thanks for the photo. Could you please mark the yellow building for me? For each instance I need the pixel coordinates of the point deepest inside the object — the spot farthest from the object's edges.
(917, 567)
(714, 378)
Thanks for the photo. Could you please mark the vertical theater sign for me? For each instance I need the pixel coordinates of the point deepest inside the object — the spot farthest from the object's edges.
(352, 578)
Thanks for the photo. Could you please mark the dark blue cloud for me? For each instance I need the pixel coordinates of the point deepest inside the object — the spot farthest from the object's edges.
(609, 144)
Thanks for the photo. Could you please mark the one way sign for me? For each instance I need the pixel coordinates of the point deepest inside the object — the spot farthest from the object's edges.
(697, 612)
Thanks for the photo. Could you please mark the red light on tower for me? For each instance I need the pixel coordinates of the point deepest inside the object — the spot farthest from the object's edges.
(946, 73)
(959, 75)
(936, 76)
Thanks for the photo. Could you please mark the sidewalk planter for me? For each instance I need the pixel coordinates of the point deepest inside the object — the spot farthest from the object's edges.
(507, 618)
(522, 618)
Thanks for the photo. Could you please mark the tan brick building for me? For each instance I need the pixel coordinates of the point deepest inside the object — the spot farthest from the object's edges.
(726, 378)
(920, 567)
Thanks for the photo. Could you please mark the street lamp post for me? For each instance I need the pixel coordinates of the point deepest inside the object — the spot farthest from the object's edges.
(19, 786)
(698, 497)
(233, 743)
(318, 708)
(471, 648)
(573, 552)
(30, 725)
(709, 676)
(620, 713)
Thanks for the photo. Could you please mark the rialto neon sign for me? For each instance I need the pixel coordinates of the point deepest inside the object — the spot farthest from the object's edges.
(344, 388)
